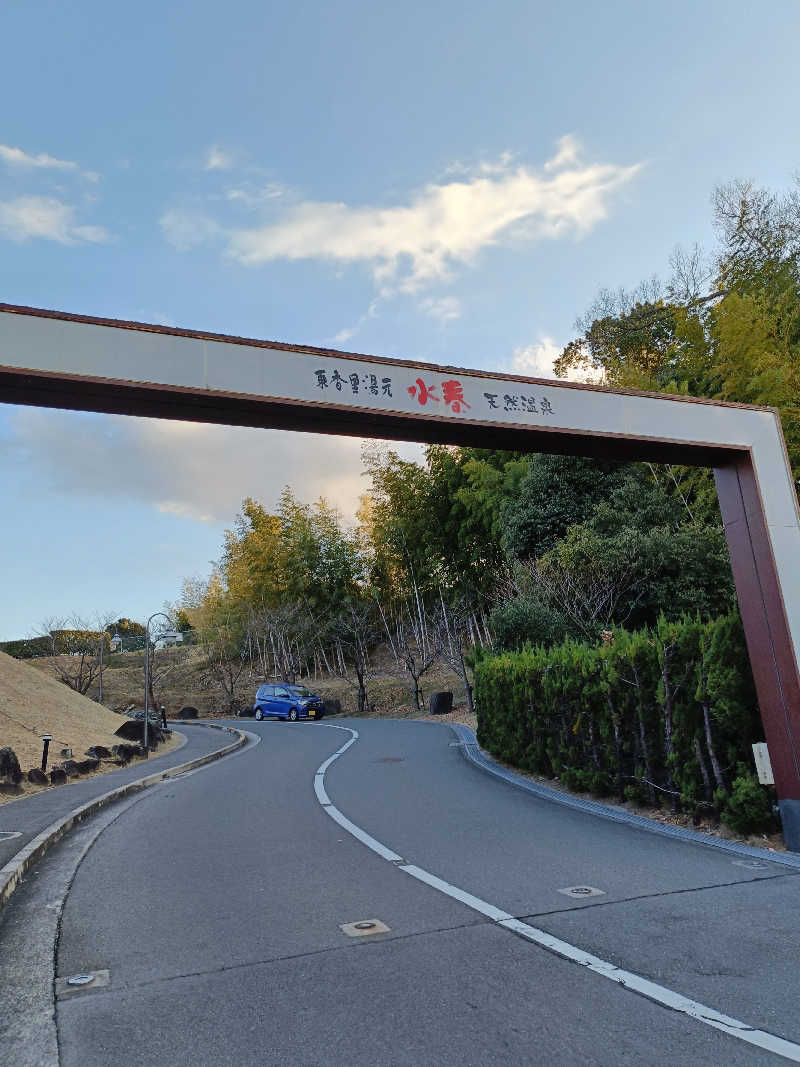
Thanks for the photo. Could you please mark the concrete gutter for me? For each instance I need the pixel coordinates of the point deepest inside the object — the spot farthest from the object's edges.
(12, 874)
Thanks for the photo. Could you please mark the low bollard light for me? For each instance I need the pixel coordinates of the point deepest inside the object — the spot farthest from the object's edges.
(46, 739)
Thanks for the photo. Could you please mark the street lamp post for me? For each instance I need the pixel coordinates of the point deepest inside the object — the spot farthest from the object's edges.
(147, 671)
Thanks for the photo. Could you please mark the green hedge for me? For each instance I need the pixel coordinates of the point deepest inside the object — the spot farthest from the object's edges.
(664, 717)
(27, 647)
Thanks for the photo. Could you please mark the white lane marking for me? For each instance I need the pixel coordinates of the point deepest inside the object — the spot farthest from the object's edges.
(319, 789)
(628, 979)
(362, 835)
(658, 993)
(493, 913)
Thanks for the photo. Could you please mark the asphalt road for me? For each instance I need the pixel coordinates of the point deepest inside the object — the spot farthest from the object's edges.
(215, 902)
(29, 815)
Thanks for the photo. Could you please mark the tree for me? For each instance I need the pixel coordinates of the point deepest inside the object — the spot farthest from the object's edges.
(730, 331)
(452, 628)
(131, 633)
(283, 638)
(414, 647)
(556, 492)
(226, 657)
(354, 630)
(76, 648)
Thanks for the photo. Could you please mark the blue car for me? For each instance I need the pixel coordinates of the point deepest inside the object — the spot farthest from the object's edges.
(290, 702)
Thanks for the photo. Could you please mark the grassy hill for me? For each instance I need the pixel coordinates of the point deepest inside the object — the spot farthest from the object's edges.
(32, 703)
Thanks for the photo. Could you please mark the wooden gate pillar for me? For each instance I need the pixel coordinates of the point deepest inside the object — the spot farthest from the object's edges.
(769, 641)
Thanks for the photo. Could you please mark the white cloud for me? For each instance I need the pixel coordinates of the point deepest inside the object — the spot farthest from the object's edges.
(445, 308)
(185, 230)
(344, 335)
(536, 360)
(47, 218)
(567, 154)
(497, 166)
(16, 157)
(257, 197)
(218, 159)
(186, 469)
(21, 160)
(442, 226)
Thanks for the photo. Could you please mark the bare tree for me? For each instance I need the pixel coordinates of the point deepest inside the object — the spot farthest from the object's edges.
(354, 631)
(587, 591)
(281, 640)
(413, 645)
(453, 628)
(226, 652)
(77, 649)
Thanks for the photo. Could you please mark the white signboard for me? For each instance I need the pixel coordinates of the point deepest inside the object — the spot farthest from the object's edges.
(763, 765)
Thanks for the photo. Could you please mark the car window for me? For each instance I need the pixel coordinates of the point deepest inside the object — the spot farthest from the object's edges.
(280, 692)
(301, 691)
(264, 691)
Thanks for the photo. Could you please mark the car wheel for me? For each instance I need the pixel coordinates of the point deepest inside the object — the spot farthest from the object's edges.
(259, 714)
(293, 715)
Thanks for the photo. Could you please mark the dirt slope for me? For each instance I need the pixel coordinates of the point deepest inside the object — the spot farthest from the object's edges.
(32, 704)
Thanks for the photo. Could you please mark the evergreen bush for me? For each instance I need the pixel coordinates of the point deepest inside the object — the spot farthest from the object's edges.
(663, 716)
(748, 809)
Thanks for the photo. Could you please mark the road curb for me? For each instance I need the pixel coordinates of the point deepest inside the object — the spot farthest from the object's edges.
(476, 755)
(12, 873)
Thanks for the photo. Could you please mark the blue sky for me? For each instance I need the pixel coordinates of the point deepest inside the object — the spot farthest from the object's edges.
(443, 181)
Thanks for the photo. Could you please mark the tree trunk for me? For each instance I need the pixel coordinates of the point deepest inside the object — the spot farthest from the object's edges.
(703, 770)
(617, 747)
(668, 716)
(719, 777)
(648, 770)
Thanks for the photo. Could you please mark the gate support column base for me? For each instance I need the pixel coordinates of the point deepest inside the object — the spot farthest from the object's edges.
(790, 817)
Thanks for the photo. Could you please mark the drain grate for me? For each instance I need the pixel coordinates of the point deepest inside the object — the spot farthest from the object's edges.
(364, 928)
(582, 892)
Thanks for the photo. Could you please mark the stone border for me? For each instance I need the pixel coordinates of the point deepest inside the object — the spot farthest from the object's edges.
(12, 874)
(476, 755)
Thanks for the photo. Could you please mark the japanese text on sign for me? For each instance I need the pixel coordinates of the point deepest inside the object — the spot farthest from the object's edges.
(450, 393)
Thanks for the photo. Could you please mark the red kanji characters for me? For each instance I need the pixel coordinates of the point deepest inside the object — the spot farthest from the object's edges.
(423, 392)
(453, 394)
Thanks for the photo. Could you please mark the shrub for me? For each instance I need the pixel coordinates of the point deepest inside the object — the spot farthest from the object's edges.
(526, 621)
(662, 715)
(748, 809)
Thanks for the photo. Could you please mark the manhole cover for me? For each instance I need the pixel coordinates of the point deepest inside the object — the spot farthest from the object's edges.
(364, 927)
(582, 892)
